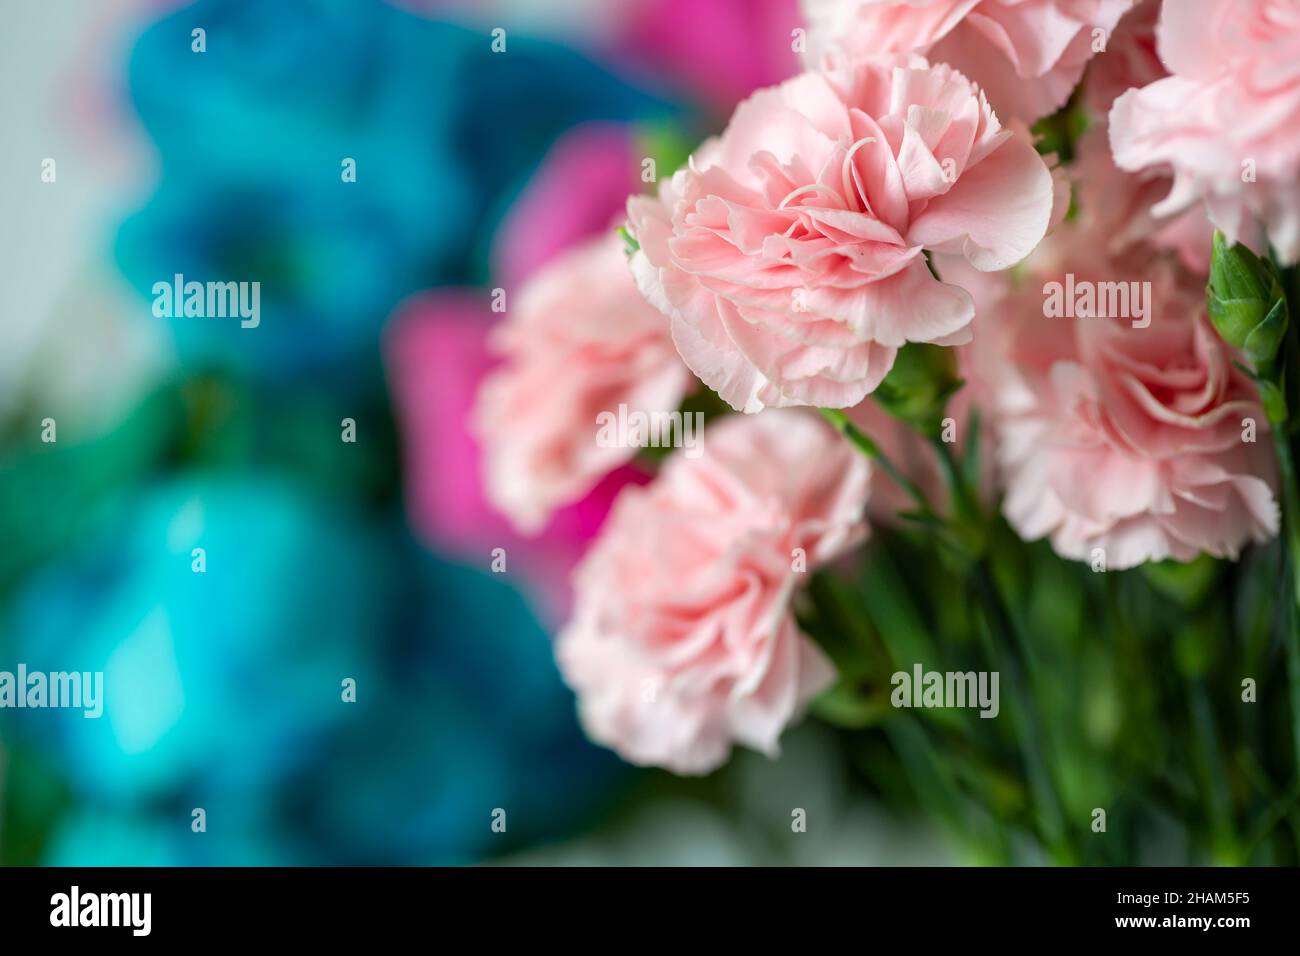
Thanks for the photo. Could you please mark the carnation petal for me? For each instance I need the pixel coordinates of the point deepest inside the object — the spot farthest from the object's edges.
(996, 212)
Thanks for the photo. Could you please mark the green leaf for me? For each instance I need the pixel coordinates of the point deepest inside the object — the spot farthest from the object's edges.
(847, 707)
(630, 245)
(918, 387)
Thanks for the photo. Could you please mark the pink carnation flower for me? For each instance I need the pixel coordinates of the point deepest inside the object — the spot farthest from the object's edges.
(579, 342)
(789, 252)
(1144, 442)
(1027, 55)
(1226, 124)
(682, 639)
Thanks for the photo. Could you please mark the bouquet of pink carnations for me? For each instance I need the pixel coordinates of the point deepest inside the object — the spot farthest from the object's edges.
(963, 367)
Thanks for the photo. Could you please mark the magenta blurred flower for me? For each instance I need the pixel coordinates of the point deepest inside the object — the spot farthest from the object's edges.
(436, 353)
(551, 215)
(723, 50)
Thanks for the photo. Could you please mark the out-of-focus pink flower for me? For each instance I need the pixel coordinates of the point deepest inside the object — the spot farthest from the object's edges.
(1130, 60)
(682, 639)
(436, 354)
(578, 189)
(579, 342)
(789, 252)
(1027, 55)
(1144, 442)
(1226, 124)
(1118, 208)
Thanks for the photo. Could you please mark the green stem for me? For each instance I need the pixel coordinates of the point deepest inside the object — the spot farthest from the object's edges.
(1268, 820)
(1291, 570)
(1006, 644)
(1214, 775)
(1011, 651)
(862, 441)
(938, 790)
(1008, 649)
(969, 524)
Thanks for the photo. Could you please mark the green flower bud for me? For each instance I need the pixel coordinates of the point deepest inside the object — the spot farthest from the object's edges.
(919, 385)
(1246, 301)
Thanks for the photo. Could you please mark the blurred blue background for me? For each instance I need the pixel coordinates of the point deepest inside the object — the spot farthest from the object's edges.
(325, 560)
